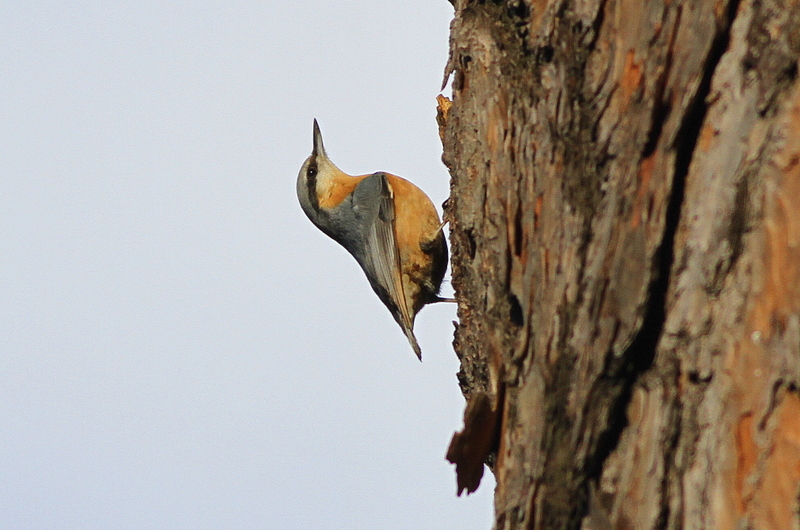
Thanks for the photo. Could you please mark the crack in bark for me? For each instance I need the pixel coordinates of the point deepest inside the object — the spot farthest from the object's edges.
(662, 107)
(641, 353)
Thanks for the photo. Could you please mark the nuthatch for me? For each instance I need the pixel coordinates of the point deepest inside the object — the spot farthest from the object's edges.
(388, 224)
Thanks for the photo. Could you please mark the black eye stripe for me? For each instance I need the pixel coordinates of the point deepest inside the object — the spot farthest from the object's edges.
(311, 182)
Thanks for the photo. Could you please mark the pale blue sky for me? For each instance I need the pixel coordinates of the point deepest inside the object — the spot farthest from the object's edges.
(179, 346)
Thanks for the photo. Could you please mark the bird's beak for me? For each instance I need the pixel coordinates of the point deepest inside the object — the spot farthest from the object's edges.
(319, 149)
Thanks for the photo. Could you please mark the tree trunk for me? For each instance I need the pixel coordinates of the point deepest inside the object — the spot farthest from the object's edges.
(625, 217)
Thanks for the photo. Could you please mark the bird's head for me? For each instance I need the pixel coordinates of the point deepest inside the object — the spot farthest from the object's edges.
(317, 175)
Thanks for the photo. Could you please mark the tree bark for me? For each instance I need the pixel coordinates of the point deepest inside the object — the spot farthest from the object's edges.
(625, 231)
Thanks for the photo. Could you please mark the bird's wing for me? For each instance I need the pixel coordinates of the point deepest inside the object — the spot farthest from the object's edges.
(381, 258)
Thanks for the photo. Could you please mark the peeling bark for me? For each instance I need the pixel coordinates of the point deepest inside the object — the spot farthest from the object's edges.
(625, 216)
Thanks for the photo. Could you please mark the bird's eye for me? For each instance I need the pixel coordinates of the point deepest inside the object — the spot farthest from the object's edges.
(312, 171)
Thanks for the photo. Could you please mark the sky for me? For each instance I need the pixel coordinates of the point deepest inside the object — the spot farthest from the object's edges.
(179, 346)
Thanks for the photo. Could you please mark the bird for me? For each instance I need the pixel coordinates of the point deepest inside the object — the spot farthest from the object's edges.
(387, 224)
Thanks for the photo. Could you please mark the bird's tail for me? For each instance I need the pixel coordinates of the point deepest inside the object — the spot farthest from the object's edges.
(413, 341)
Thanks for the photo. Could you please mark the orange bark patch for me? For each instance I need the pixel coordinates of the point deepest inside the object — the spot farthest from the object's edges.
(645, 174)
(746, 452)
(707, 135)
(776, 502)
(442, 111)
(491, 132)
(537, 211)
(767, 453)
(631, 79)
(780, 297)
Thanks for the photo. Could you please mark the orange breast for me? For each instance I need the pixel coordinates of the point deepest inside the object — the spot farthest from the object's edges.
(416, 218)
(416, 221)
